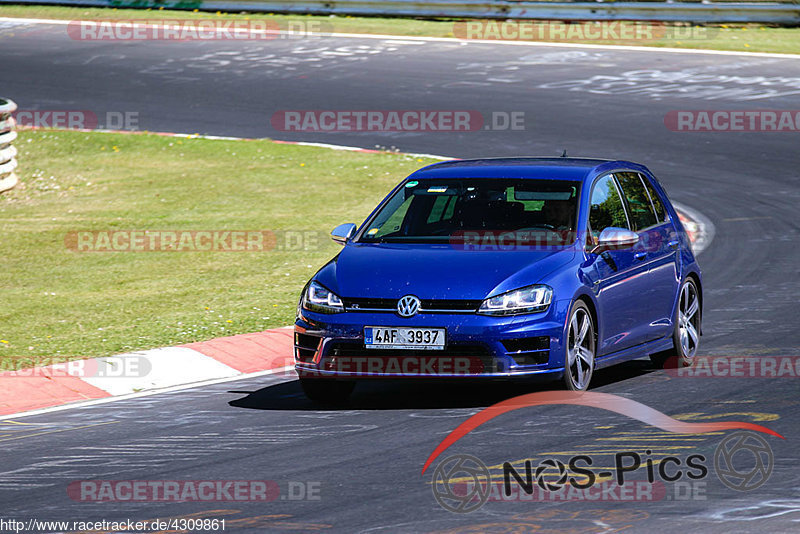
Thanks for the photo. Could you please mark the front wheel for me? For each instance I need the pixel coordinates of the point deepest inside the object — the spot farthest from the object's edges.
(580, 342)
(326, 391)
(686, 335)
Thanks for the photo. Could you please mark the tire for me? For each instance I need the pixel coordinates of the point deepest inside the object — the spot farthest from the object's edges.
(579, 356)
(326, 391)
(686, 334)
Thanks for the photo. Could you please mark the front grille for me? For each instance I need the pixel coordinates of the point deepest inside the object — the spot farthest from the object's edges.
(426, 305)
(370, 304)
(341, 350)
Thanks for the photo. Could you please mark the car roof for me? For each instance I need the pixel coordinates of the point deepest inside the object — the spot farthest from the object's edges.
(523, 167)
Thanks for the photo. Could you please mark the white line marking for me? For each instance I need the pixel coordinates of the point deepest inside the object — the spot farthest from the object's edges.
(107, 400)
(225, 138)
(402, 42)
(359, 149)
(454, 40)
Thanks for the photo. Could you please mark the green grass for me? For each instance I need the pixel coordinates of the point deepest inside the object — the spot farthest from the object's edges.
(62, 304)
(733, 37)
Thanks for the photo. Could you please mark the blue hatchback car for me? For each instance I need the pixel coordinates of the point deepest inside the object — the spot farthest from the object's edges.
(503, 268)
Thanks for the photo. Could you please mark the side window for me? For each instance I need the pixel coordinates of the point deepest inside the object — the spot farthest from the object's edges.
(639, 206)
(606, 207)
(661, 212)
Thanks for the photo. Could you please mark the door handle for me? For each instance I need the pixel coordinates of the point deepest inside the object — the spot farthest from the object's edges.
(673, 244)
(640, 255)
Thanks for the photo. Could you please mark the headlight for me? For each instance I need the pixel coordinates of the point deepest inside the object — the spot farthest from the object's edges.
(319, 299)
(531, 299)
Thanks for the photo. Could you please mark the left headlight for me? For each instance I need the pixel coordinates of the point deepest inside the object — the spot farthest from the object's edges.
(531, 299)
(318, 298)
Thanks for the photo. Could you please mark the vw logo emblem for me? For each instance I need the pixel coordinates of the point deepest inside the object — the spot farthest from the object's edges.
(408, 306)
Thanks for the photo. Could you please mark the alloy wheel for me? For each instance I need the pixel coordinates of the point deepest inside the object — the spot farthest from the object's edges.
(688, 320)
(580, 348)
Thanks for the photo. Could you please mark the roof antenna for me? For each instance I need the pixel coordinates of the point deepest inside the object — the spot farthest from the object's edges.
(564, 154)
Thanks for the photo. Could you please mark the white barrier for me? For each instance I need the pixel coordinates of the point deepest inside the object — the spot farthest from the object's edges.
(8, 153)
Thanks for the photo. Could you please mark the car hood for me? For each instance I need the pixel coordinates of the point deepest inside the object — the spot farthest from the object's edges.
(435, 271)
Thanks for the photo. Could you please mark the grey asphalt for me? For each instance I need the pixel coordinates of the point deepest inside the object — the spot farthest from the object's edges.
(366, 458)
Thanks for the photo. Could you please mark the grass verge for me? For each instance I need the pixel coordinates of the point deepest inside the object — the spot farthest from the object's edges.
(62, 304)
(731, 37)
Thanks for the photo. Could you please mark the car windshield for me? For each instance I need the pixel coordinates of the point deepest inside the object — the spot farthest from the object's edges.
(430, 211)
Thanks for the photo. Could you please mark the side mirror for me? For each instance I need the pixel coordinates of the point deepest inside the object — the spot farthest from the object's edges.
(613, 238)
(342, 233)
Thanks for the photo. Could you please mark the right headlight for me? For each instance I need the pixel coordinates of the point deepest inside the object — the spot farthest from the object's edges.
(530, 299)
(318, 298)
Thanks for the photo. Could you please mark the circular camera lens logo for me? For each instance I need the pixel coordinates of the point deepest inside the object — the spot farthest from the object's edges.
(461, 483)
(551, 464)
(744, 461)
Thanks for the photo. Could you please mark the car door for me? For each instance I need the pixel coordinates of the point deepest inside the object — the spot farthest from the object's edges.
(618, 277)
(660, 239)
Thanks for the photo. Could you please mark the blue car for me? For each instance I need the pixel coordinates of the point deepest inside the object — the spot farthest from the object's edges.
(503, 268)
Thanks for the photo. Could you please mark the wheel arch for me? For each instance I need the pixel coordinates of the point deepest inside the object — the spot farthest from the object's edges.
(588, 299)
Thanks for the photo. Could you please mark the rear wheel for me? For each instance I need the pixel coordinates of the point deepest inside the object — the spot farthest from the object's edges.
(579, 359)
(326, 391)
(686, 336)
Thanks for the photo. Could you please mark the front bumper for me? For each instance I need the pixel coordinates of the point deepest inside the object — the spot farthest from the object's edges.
(477, 346)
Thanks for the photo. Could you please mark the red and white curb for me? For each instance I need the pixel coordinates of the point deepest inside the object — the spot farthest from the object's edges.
(84, 382)
(93, 381)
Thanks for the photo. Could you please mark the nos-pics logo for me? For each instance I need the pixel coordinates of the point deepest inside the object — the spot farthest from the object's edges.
(462, 483)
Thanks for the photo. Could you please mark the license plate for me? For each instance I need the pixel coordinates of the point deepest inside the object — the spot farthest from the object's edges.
(389, 337)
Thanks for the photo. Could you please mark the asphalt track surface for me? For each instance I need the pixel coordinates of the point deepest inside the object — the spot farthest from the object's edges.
(367, 458)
